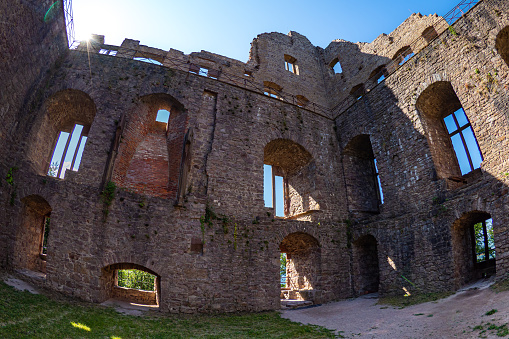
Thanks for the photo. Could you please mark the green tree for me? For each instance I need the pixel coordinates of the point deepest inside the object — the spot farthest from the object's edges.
(137, 279)
(282, 269)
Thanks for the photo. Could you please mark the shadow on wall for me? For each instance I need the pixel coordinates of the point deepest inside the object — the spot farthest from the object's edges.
(442, 208)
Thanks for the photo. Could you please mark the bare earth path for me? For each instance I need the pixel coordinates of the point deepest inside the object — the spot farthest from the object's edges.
(452, 317)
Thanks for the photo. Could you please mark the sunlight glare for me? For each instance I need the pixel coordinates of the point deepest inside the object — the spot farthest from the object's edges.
(391, 263)
(81, 326)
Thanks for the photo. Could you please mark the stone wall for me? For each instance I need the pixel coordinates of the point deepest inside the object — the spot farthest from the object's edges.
(134, 295)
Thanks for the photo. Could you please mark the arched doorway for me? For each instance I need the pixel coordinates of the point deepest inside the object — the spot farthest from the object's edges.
(302, 271)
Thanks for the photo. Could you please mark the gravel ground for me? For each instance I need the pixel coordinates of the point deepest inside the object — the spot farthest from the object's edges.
(452, 317)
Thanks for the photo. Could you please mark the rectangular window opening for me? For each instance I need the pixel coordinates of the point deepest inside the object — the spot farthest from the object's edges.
(68, 152)
(484, 241)
(379, 184)
(44, 238)
(267, 185)
(136, 279)
(279, 196)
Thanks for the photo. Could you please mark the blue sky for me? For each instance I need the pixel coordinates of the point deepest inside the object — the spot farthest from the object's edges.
(228, 27)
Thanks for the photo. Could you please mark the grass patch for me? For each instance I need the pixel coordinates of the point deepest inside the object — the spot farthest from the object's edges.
(414, 299)
(491, 312)
(492, 329)
(500, 286)
(24, 315)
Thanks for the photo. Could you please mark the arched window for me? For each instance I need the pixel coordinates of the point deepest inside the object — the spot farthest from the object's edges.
(429, 34)
(363, 186)
(452, 142)
(288, 178)
(357, 91)
(403, 55)
(335, 67)
(291, 64)
(272, 89)
(378, 75)
(302, 101)
(150, 154)
(60, 138)
(502, 44)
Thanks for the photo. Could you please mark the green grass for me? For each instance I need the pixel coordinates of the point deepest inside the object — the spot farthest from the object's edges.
(24, 315)
(414, 299)
(492, 329)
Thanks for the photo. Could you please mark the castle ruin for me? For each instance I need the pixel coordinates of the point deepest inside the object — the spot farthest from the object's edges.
(389, 161)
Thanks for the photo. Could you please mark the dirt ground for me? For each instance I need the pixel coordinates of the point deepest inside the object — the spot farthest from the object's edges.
(452, 317)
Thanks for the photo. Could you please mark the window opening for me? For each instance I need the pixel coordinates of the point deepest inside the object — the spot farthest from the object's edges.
(403, 55)
(279, 196)
(484, 241)
(163, 116)
(44, 237)
(335, 66)
(291, 64)
(136, 279)
(68, 152)
(378, 74)
(273, 191)
(429, 34)
(377, 176)
(302, 101)
(267, 186)
(463, 140)
(148, 60)
(203, 71)
(357, 92)
(271, 93)
(248, 73)
(271, 89)
(502, 44)
(282, 270)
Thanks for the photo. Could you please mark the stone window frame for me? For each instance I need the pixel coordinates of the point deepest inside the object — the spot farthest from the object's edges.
(332, 67)
(272, 90)
(429, 33)
(403, 55)
(459, 130)
(302, 101)
(291, 64)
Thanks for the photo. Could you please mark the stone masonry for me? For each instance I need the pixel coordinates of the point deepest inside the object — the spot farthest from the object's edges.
(184, 200)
